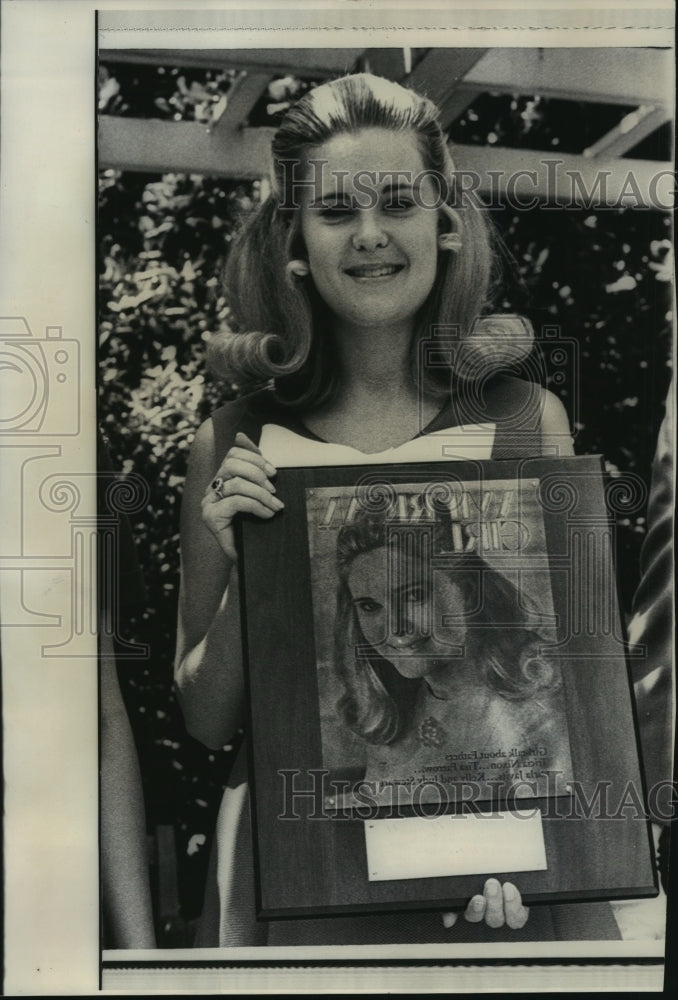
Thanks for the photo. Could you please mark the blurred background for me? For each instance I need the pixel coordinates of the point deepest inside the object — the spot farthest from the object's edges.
(183, 146)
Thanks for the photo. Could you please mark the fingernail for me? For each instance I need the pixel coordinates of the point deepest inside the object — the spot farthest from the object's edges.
(269, 486)
(510, 891)
(270, 469)
(492, 887)
(476, 904)
(449, 920)
(278, 503)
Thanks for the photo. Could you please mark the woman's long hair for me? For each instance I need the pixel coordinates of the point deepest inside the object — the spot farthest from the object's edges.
(283, 327)
(501, 639)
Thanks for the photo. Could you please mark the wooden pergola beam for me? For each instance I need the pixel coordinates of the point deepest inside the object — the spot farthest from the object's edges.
(149, 146)
(632, 129)
(298, 62)
(243, 153)
(522, 177)
(439, 74)
(390, 63)
(602, 75)
(242, 97)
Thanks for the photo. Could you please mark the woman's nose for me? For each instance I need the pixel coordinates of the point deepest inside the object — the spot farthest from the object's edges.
(369, 234)
(405, 627)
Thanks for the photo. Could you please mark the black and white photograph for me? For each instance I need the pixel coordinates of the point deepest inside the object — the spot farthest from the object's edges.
(337, 457)
(431, 660)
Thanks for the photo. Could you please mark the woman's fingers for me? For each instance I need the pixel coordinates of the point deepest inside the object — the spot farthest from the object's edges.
(238, 487)
(494, 903)
(498, 905)
(515, 913)
(233, 467)
(241, 486)
(253, 461)
(239, 497)
(245, 442)
(242, 441)
(475, 911)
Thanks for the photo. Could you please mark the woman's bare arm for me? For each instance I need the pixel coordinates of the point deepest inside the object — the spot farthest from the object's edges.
(208, 662)
(208, 665)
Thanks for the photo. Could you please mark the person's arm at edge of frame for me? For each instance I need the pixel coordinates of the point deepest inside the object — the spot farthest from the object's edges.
(124, 862)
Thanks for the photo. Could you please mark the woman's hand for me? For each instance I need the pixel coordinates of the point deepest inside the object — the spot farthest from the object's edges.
(242, 486)
(498, 905)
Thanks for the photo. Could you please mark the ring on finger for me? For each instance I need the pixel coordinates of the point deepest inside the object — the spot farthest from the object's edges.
(217, 486)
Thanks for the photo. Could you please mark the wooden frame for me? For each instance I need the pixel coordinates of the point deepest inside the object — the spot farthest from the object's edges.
(311, 861)
(452, 78)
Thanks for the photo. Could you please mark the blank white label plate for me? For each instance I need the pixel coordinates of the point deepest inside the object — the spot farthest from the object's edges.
(473, 844)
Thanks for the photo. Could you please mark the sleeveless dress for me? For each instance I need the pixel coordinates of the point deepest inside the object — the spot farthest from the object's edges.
(228, 918)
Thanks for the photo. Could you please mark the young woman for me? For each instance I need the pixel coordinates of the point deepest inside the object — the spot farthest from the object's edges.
(360, 250)
(437, 665)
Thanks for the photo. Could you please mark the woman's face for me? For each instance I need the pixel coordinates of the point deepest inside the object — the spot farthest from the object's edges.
(401, 614)
(371, 243)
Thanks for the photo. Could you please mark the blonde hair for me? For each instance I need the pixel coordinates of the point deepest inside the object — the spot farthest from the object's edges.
(283, 326)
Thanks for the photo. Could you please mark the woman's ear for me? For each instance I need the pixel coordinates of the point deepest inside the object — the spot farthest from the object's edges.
(450, 229)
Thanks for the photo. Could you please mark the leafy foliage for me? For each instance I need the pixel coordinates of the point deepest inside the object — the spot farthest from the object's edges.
(164, 92)
(602, 279)
(162, 247)
(534, 122)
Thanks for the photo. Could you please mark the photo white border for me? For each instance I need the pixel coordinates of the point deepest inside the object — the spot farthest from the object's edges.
(47, 275)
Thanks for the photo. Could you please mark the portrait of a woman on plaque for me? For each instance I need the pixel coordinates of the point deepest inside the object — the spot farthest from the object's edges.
(433, 617)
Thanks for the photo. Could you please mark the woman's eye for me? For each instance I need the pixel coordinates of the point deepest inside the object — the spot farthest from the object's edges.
(398, 205)
(368, 606)
(337, 211)
(415, 595)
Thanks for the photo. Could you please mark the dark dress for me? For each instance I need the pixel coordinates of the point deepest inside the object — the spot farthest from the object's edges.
(228, 919)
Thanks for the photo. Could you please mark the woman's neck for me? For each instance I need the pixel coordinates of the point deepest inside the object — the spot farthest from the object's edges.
(451, 680)
(374, 358)
(379, 404)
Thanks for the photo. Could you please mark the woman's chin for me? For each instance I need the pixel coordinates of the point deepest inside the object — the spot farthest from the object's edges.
(413, 667)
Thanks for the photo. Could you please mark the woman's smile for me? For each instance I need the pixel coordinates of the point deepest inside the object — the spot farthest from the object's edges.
(373, 272)
(407, 644)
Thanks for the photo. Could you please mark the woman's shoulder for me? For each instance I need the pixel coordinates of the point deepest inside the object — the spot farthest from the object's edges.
(529, 418)
(227, 419)
(513, 398)
(248, 414)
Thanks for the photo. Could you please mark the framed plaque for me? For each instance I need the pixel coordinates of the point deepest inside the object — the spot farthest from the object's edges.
(438, 686)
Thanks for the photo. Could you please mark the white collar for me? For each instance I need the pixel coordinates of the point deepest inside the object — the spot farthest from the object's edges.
(285, 448)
